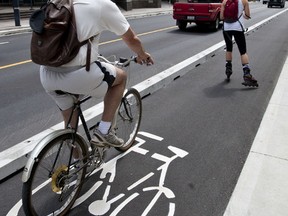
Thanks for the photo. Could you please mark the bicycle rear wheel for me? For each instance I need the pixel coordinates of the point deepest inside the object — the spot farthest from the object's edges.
(56, 177)
(129, 118)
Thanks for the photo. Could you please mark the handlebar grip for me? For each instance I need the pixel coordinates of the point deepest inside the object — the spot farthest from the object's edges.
(126, 62)
(123, 60)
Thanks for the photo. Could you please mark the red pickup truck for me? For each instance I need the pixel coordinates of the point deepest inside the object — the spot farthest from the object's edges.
(201, 12)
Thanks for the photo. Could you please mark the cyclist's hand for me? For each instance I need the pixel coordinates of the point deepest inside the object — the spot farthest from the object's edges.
(145, 59)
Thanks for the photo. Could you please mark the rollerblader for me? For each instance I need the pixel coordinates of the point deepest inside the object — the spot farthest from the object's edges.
(233, 13)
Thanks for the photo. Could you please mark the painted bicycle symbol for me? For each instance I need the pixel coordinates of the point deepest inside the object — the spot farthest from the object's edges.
(107, 172)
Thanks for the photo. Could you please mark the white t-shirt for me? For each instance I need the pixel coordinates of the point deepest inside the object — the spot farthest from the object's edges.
(236, 26)
(93, 17)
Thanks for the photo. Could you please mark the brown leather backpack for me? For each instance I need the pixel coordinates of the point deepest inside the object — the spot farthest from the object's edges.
(54, 39)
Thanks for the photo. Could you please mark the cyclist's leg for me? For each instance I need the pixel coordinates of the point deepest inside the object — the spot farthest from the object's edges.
(78, 82)
(66, 116)
(103, 79)
(114, 94)
(115, 79)
(65, 104)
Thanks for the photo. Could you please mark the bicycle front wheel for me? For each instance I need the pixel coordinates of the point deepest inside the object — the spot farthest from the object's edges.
(56, 177)
(129, 118)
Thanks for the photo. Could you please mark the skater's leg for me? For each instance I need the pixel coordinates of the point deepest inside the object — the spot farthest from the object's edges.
(249, 80)
(229, 48)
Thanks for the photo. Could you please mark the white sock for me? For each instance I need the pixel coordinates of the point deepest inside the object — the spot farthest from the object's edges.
(104, 127)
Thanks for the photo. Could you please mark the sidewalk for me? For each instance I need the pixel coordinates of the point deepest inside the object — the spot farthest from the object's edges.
(8, 26)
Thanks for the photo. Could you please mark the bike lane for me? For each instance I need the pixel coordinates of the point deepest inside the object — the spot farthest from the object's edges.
(196, 135)
(217, 124)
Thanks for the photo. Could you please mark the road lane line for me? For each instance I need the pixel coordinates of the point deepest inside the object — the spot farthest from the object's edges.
(2, 43)
(15, 64)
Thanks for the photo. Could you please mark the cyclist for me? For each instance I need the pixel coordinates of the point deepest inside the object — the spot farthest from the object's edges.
(236, 29)
(93, 17)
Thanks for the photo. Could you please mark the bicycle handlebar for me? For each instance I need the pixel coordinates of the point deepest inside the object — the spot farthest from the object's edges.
(123, 62)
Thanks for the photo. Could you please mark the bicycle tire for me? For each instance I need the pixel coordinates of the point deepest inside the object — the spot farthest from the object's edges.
(129, 118)
(53, 187)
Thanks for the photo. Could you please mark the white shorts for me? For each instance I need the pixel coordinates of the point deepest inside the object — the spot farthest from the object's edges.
(77, 81)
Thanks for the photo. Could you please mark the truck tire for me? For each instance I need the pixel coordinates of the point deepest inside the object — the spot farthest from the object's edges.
(181, 24)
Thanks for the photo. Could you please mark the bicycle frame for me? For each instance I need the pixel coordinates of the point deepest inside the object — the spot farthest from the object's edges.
(77, 108)
(41, 145)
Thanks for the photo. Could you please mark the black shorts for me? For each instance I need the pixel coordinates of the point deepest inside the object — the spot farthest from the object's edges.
(240, 40)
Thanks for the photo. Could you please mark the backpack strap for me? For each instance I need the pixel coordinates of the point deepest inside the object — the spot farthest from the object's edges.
(241, 23)
(88, 54)
(88, 41)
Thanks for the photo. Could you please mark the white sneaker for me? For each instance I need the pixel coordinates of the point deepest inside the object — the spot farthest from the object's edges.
(107, 139)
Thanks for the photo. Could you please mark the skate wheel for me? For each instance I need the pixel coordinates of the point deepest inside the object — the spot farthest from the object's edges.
(250, 84)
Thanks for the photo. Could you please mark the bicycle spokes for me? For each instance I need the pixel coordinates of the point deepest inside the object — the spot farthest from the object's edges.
(56, 178)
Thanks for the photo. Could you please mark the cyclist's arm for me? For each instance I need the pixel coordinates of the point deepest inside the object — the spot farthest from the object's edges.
(134, 43)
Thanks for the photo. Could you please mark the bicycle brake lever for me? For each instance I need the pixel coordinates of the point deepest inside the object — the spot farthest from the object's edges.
(134, 58)
(122, 60)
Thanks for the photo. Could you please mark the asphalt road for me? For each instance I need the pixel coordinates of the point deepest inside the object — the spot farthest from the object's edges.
(211, 122)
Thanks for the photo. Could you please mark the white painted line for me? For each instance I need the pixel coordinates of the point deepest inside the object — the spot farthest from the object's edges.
(262, 185)
(161, 157)
(14, 158)
(87, 194)
(151, 136)
(123, 204)
(115, 199)
(140, 181)
(140, 150)
(171, 209)
(2, 43)
(177, 151)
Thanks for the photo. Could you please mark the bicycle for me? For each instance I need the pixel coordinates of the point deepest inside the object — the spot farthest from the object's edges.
(56, 168)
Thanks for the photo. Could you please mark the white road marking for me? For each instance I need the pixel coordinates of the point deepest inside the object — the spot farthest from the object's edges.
(140, 181)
